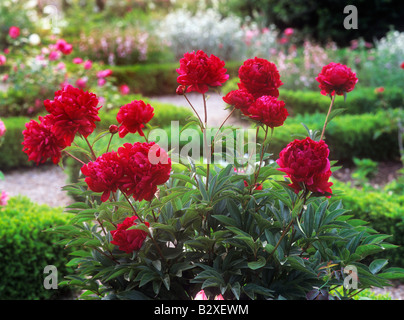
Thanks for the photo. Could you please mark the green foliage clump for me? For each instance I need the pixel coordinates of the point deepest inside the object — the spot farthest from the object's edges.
(361, 100)
(11, 148)
(26, 248)
(382, 210)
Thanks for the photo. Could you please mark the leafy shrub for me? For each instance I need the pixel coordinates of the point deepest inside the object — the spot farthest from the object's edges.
(383, 211)
(380, 66)
(26, 249)
(160, 231)
(365, 169)
(361, 100)
(10, 150)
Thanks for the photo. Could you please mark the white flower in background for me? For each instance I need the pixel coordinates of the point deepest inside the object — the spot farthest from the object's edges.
(34, 39)
(209, 31)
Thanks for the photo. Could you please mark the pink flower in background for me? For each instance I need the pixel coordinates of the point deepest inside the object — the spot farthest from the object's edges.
(288, 32)
(6, 51)
(81, 83)
(54, 55)
(101, 82)
(64, 47)
(104, 73)
(124, 89)
(2, 128)
(14, 32)
(61, 66)
(402, 65)
(77, 60)
(201, 296)
(3, 59)
(5, 77)
(88, 64)
(219, 297)
(3, 198)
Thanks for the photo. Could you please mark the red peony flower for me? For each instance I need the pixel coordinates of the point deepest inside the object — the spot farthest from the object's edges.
(14, 32)
(402, 65)
(198, 72)
(40, 142)
(258, 186)
(259, 77)
(268, 110)
(128, 240)
(240, 99)
(104, 174)
(306, 162)
(133, 116)
(146, 166)
(336, 77)
(74, 111)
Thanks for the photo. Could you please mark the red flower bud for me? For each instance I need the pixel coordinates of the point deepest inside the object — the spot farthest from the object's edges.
(113, 128)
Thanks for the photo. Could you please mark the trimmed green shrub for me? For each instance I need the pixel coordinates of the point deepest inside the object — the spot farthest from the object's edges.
(382, 210)
(156, 79)
(26, 249)
(347, 136)
(11, 155)
(361, 100)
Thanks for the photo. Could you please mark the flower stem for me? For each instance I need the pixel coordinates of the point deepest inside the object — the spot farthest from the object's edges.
(91, 149)
(206, 142)
(109, 142)
(200, 120)
(286, 230)
(75, 158)
(262, 155)
(130, 203)
(328, 114)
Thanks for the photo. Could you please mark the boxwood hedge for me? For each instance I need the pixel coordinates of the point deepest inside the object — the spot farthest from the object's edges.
(26, 248)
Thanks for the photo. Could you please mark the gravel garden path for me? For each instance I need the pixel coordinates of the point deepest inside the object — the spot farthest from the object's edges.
(43, 184)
